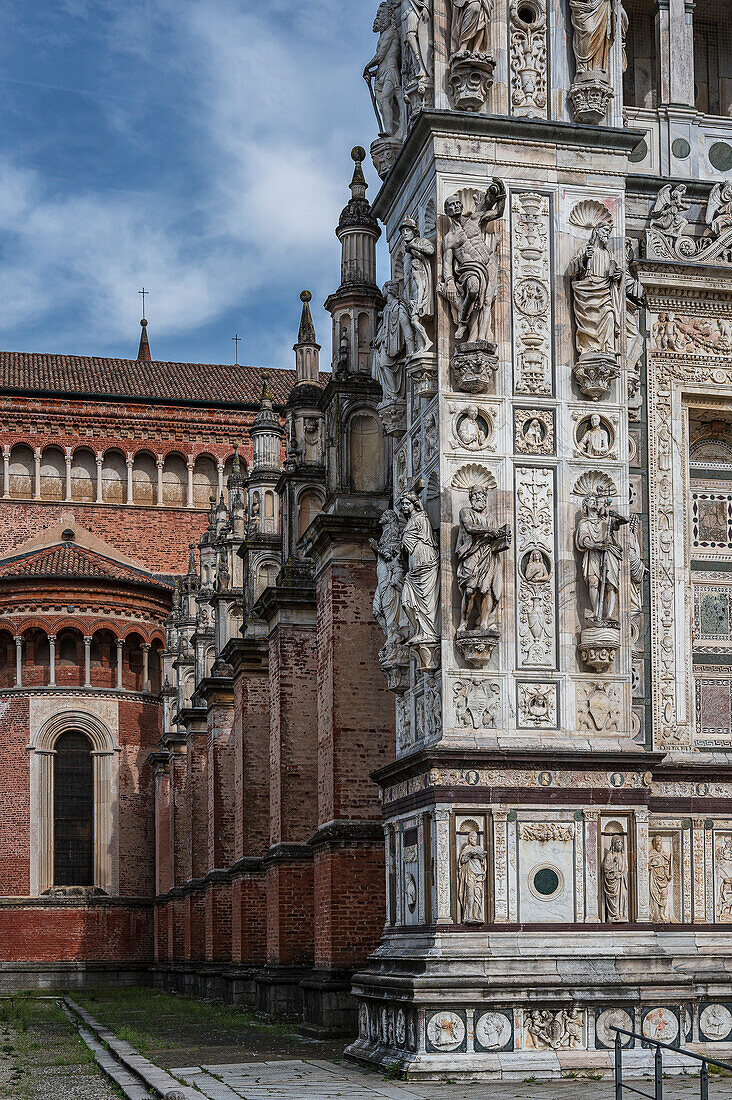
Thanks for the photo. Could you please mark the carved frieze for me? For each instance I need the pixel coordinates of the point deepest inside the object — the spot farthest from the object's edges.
(544, 831)
(532, 300)
(670, 238)
(562, 1030)
(535, 567)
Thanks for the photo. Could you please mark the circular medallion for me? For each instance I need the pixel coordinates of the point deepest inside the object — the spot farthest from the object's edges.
(720, 156)
(411, 893)
(546, 882)
(545, 779)
(661, 1023)
(493, 1030)
(702, 789)
(617, 779)
(613, 1017)
(715, 1021)
(680, 148)
(472, 778)
(720, 376)
(445, 1030)
(640, 152)
(531, 297)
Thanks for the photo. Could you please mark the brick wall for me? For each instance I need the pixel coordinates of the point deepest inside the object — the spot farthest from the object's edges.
(90, 934)
(14, 797)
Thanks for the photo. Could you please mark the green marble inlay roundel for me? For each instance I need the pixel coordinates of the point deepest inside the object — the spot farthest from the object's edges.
(546, 882)
(720, 156)
(640, 152)
(681, 148)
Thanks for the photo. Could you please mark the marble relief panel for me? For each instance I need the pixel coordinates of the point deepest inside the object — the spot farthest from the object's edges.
(713, 615)
(713, 709)
(535, 574)
(546, 871)
(531, 293)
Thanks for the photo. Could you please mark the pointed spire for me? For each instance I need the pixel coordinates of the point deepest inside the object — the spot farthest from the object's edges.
(265, 402)
(359, 187)
(143, 352)
(306, 335)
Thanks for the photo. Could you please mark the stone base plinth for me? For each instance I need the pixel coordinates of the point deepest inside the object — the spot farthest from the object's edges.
(474, 367)
(471, 79)
(590, 97)
(427, 654)
(393, 416)
(476, 647)
(599, 645)
(384, 152)
(394, 661)
(594, 375)
(422, 369)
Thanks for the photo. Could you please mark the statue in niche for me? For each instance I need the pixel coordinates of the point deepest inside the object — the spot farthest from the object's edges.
(615, 882)
(470, 26)
(597, 541)
(383, 73)
(389, 577)
(595, 443)
(393, 340)
(534, 433)
(659, 880)
(472, 869)
(596, 292)
(419, 284)
(535, 567)
(593, 22)
(479, 573)
(421, 590)
(470, 264)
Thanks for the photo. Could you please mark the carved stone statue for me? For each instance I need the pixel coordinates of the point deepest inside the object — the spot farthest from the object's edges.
(389, 580)
(421, 590)
(393, 341)
(479, 574)
(718, 214)
(636, 565)
(417, 32)
(634, 298)
(595, 443)
(659, 880)
(596, 539)
(419, 284)
(383, 73)
(472, 869)
(470, 26)
(615, 882)
(534, 433)
(597, 287)
(668, 237)
(669, 208)
(593, 22)
(470, 430)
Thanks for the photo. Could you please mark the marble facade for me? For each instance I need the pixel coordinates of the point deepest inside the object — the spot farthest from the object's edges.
(558, 818)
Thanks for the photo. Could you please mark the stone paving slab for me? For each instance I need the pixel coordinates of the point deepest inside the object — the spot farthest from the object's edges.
(319, 1080)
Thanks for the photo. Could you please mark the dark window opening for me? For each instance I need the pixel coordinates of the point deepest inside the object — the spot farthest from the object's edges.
(73, 812)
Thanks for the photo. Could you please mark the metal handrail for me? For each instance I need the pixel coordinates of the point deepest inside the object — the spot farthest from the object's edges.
(621, 1089)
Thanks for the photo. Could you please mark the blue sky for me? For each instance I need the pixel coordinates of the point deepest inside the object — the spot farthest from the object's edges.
(197, 147)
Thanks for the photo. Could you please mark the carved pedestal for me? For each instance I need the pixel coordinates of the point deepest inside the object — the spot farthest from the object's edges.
(427, 654)
(422, 369)
(599, 644)
(473, 367)
(384, 152)
(476, 646)
(471, 79)
(394, 663)
(590, 96)
(394, 417)
(594, 374)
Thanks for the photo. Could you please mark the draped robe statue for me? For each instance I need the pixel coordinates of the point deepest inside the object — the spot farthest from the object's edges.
(615, 882)
(596, 539)
(597, 283)
(470, 26)
(389, 577)
(470, 264)
(418, 281)
(478, 551)
(594, 32)
(472, 865)
(394, 338)
(659, 880)
(421, 591)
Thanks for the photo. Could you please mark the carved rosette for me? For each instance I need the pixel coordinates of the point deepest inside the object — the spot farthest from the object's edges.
(599, 645)
(476, 647)
(422, 369)
(384, 152)
(590, 97)
(394, 417)
(474, 367)
(471, 79)
(594, 374)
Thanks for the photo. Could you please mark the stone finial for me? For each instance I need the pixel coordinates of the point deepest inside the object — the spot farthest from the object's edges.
(306, 334)
(143, 352)
(358, 185)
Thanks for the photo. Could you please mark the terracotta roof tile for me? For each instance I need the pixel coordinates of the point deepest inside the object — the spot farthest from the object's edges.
(72, 561)
(201, 383)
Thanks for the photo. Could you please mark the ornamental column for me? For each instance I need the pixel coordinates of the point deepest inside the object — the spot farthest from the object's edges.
(68, 474)
(220, 468)
(18, 661)
(37, 474)
(120, 644)
(100, 460)
(189, 495)
(129, 463)
(6, 472)
(159, 465)
(87, 661)
(146, 666)
(52, 659)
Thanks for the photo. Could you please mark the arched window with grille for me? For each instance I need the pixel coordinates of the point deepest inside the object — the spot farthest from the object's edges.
(73, 811)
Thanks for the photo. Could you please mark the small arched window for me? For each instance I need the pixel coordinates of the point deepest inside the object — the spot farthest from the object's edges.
(73, 811)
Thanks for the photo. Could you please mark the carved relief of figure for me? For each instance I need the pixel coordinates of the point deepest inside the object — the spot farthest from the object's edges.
(595, 443)
(419, 285)
(470, 264)
(534, 433)
(594, 33)
(596, 539)
(383, 73)
(596, 284)
(615, 882)
(634, 298)
(718, 214)
(472, 868)
(421, 591)
(535, 569)
(636, 565)
(416, 21)
(669, 208)
(479, 574)
(393, 340)
(659, 880)
(470, 26)
(389, 576)
(470, 430)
